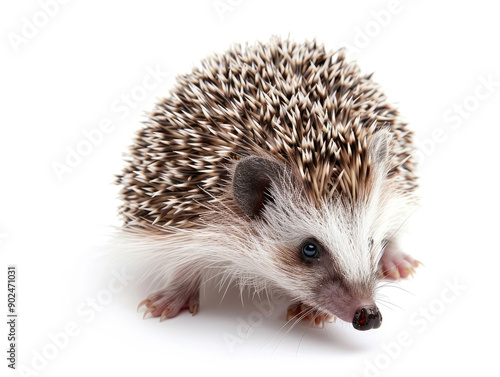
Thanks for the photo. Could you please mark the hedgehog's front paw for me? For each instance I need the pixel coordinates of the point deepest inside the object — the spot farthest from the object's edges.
(302, 312)
(397, 265)
(165, 304)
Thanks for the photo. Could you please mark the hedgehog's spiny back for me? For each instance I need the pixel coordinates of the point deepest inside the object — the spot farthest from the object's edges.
(294, 101)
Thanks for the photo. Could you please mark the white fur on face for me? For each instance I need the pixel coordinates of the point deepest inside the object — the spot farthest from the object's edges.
(353, 234)
(265, 253)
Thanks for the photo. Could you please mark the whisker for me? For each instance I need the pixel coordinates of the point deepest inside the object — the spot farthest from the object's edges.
(306, 313)
(396, 285)
(253, 322)
(387, 303)
(403, 223)
(303, 335)
(394, 233)
(277, 332)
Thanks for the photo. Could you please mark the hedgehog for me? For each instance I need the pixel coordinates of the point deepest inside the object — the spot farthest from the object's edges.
(278, 167)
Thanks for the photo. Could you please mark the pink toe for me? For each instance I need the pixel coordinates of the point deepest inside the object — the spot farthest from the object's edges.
(389, 270)
(405, 269)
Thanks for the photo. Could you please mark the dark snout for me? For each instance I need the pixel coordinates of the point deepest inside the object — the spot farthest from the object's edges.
(367, 319)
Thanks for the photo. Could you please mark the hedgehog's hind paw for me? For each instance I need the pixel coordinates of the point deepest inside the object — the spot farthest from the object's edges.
(397, 265)
(165, 304)
(300, 312)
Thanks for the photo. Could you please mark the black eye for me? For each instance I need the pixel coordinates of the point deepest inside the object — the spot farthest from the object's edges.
(310, 251)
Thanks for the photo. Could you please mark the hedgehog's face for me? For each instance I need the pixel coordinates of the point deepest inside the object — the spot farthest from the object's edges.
(324, 254)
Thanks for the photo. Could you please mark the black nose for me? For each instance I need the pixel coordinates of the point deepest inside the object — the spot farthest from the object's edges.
(367, 318)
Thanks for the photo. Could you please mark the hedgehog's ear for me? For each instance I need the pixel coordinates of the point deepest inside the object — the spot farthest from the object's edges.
(380, 147)
(251, 182)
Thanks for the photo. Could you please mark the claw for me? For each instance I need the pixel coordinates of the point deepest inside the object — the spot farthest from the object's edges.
(166, 312)
(319, 322)
(416, 264)
(193, 308)
(293, 311)
(151, 309)
(395, 264)
(315, 320)
(146, 302)
(394, 274)
(167, 304)
(406, 271)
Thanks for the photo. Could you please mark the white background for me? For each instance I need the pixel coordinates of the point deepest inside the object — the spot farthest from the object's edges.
(70, 73)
